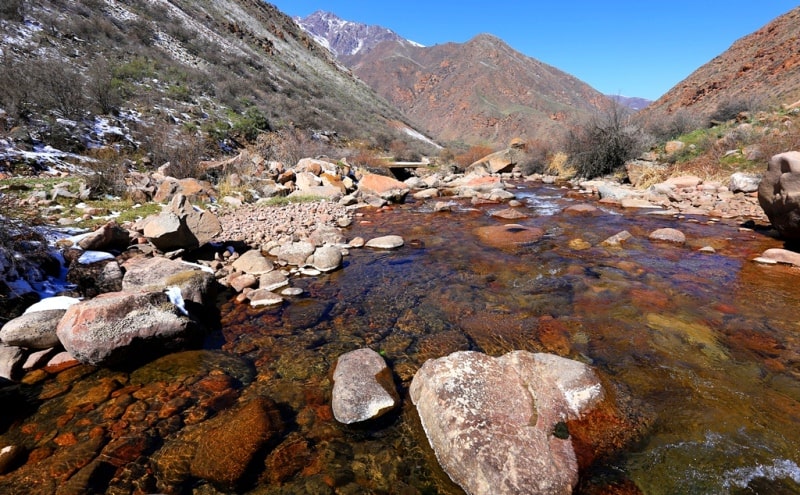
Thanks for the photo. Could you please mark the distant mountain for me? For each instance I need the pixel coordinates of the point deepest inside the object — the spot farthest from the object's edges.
(632, 102)
(763, 66)
(345, 39)
(478, 92)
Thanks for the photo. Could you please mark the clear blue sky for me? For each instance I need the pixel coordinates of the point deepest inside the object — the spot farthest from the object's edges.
(632, 48)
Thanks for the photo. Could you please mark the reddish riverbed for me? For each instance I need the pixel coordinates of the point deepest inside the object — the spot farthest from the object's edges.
(707, 343)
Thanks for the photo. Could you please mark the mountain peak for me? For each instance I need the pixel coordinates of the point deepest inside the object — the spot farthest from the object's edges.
(346, 38)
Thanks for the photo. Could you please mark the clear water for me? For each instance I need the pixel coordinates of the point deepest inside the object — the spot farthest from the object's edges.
(707, 344)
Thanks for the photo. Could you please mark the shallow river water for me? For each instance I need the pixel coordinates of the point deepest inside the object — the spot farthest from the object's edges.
(707, 345)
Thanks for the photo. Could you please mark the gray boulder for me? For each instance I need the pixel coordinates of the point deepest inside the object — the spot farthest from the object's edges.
(493, 422)
(363, 387)
(181, 226)
(779, 194)
(746, 183)
(326, 258)
(197, 286)
(35, 330)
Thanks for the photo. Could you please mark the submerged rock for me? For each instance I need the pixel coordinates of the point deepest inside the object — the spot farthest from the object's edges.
(385, 242)
(509, 236)
(674, 236)
(497, 424)
(363, 387)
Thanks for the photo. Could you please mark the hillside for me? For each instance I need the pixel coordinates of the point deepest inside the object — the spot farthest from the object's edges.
(762, 68)
(481, 91)
(218, 71)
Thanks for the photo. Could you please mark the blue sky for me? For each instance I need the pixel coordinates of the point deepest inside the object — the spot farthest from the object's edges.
(631, 48)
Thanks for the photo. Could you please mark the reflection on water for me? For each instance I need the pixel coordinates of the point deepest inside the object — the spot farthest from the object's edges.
(708, 342)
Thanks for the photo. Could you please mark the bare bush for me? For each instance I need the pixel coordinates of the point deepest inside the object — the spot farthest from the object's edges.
(536, 158)
(183, 150)
(604, 143)
(729, 109)
(473, 154)
(12, 10)
(669, 126)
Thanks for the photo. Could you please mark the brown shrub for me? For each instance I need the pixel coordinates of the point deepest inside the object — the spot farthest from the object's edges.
(473, 154)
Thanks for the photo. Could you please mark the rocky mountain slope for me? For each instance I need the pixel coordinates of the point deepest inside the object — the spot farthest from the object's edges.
(762, 67)
(481, 91)
(220, 70)
(478, 92)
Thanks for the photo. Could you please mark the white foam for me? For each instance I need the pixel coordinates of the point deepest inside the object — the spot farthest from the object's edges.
(779, 469)
(56, 302)
(176, 298)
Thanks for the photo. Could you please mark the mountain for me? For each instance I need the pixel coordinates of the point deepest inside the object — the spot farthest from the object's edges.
(220, 70)
(761, 67)
(478, 92)
(632, 102)
(345, 39)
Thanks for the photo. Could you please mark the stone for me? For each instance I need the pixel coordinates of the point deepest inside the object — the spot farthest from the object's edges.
(779, 194)
(497, 425)
(262, 297)
(428, 193)
(385, 242)
(684, 181)
(106, 238)
(509, 214)
(34, 330)
(253, 263)
(495, 163)
(327, 234)
(118, 326)
(295, 253)
(363, 387)
(638, 203)
(326, 258)
(197, 286)
(617, 239)
(668, 235)
(783, 256)
(95, 278)
(582, 209)
(673, 146)
(242, 281)
(509, 236)
(292, 291)
(181, 226)
(12, 359)
(746, 183)
(386, 188)
(272, 281)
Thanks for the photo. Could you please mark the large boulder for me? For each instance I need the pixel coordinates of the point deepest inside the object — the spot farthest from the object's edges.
(386, 188)
(181, 226)
(363, 387)
(495, 163)
(106, 238)
(156, 274)
(116, 327)
(498, 425)
(779, 194)
(34, 330)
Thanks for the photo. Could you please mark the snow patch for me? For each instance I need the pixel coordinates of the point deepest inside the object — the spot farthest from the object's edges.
(417, 135)
(175, 297)
(89, 257)
(55, 302)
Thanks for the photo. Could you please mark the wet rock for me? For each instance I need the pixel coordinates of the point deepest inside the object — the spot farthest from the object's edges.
(9, 456)
(33, 330)
(107, 238)
(777, 255)
(617, 239)
(509, 236)
(262, 297)
(220, 450)
(240, 282)
(273, 280)
(253, 262)
(117, 326)
(385, 242)
(494, 422)
(779, 194)
(495, 163)
(668, 235)
(386, 188)
(363, 387)
(326, 258)
(509, 214)
(582, 209)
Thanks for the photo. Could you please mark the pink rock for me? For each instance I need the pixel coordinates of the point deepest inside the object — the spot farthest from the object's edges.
(668, 235)
(384, 187)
